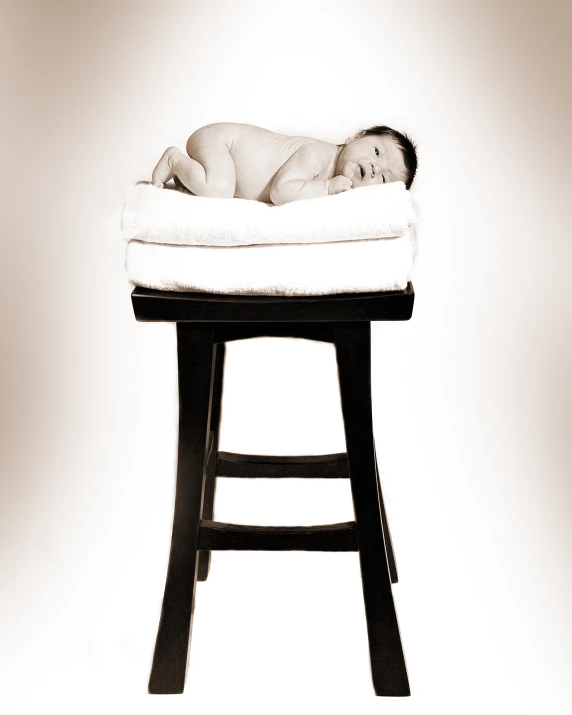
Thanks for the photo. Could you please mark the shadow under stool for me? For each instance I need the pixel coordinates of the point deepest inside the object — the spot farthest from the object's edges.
(205, 322)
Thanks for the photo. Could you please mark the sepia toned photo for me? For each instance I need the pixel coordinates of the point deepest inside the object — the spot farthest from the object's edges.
(287, 333)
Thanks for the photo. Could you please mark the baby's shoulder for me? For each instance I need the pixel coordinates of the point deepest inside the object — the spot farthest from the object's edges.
(311, 150)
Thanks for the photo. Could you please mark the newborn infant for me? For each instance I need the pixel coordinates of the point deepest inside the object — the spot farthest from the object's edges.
(239, 160)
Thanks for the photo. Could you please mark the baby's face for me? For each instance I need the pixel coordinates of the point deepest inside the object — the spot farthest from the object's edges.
(372, 159)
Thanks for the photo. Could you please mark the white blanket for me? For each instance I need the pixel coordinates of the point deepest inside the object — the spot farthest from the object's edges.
(173, 217)
(382, 264)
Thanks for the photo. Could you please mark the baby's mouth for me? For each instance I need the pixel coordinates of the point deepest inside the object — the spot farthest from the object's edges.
(361, 171)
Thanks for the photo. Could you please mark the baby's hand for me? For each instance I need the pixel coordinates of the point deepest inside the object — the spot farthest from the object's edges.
(339, 184)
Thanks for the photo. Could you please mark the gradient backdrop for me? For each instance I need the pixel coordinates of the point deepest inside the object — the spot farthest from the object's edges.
(472, 398)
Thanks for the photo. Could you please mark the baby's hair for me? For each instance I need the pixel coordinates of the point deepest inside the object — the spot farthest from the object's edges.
(405, 143)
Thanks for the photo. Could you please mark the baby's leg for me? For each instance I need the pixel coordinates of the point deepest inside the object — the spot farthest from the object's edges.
(209, 172)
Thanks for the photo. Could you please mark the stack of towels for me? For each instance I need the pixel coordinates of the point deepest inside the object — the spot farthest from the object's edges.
(357, 241)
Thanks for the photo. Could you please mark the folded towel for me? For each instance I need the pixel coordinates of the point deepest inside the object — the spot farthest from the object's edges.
(173, 217)
(317, 269)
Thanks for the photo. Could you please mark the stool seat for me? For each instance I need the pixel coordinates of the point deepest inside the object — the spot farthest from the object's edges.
(205, 322)
(159, 305)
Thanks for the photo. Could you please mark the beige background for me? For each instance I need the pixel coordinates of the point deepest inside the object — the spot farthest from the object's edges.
(473, 397)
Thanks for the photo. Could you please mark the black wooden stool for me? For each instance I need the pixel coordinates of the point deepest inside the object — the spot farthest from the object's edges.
(205, 322)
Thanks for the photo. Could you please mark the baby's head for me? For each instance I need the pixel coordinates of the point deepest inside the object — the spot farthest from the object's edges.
(378, 155)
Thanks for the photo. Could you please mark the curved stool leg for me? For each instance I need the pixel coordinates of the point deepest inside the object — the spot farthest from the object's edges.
(353, 353)
(386, 531)
(210, 476)
(195, 360)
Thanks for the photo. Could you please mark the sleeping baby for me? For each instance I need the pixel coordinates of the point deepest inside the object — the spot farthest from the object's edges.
(239, 160)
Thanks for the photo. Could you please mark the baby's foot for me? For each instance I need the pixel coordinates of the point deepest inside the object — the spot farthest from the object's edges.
(165, 169)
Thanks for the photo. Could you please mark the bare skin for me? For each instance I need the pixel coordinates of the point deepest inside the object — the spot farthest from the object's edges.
(247, 162)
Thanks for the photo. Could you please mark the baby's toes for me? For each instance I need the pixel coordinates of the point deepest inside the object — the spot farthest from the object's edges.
(164, 171)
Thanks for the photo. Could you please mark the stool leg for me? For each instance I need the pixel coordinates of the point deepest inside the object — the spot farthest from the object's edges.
(210, 476)
(353, 352)
(386, 532)
(195, 360)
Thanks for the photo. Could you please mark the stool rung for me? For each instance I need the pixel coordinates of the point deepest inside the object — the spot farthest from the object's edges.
(321, 466)
(218, 536)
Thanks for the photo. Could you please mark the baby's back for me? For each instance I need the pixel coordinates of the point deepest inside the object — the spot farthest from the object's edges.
(257, 154)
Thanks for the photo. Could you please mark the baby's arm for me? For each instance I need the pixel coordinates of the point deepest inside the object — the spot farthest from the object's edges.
(296, 179)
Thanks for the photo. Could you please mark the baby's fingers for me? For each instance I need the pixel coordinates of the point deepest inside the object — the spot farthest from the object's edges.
(339, 184)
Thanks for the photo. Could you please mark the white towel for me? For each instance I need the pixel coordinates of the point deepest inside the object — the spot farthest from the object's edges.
(173, 217)
(316, 269)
